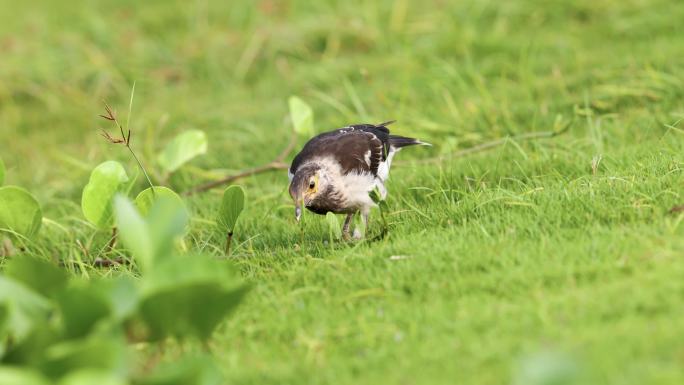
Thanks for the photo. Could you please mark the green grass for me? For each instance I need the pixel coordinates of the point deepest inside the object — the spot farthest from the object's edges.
(509, 254)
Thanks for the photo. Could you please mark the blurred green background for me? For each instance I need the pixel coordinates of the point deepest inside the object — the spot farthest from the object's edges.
(516, 257)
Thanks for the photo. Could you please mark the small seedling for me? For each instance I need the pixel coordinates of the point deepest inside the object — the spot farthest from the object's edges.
(19, 211)
(302, 117)
(334, 230)
(183, 148)
(232, 204)
(382, 207)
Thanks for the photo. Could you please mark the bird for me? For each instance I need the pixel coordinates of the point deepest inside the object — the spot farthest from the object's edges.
(335, 171)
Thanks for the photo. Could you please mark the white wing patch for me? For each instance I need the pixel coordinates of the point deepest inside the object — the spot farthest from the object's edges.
(384, 167)
(367, 157)
(290, 175)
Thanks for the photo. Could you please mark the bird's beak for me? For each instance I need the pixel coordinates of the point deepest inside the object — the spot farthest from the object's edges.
(298, 211)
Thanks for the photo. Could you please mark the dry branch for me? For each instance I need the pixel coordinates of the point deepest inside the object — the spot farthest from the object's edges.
(276, 164)
(279, 162)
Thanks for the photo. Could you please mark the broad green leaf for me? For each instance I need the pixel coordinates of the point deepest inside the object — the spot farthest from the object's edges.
(188, 297)
(15, 375)
(147, 197)
(151, 238)
(199, 370)
(2, 172)
(302, 116)
(121, 294)
(107, 354)
(19, 211)
(333, 225)
(182, 149)
(82, 308)
(92, 377)
(106, 180)
(27, 309)
(231, 206)
(40, 275)
(134, 232)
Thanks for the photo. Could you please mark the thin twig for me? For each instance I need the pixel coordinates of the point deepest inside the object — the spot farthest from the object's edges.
(277, 164)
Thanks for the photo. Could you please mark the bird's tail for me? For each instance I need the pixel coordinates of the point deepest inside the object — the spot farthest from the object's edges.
(397, 141)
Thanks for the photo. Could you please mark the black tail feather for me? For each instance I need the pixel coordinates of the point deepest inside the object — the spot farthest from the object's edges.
(397, 141)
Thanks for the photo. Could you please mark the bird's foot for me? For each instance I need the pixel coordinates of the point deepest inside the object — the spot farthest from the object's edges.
(358, 235)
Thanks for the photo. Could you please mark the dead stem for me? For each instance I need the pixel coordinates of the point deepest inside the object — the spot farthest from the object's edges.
(277, 164)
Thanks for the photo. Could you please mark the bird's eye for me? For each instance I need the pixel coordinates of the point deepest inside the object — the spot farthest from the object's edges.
(312, 184)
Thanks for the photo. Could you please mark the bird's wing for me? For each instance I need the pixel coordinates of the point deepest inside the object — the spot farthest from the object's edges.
(359, 148)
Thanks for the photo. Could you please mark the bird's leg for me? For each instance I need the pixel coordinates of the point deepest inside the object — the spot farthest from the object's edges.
(346, 226)
(364, 219)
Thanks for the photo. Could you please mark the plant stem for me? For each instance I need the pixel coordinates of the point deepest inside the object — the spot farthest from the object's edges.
(229, 239)
(149, 181)
(112, 242)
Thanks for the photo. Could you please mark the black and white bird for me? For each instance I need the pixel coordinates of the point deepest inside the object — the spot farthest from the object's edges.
(336, 170)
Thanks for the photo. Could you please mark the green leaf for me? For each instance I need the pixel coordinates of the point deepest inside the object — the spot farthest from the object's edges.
(40, 275)
(10, 375)
(106, 180)
(107, 354)
(134, 232)
(82, 308)
(189, 296)
(199, 370)
(2, 172)
(19, 211)
(182, 149)
(302, 116)
(122, 295)
(232, 204)
(147, 197)
(151, 238)
(92, 377)
(375, 196)
(27, 309)
(333, 226)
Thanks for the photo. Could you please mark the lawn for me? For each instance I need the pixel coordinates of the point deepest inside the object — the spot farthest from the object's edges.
(535, 260)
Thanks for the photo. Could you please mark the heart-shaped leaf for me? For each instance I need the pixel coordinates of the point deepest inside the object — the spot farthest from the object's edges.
(97, 353)
(2, 172)
(27, 309)
(232, 204)
(199, 370)
(40, 275)
(81, 308)
(147, 197)
(302, 116)
(21, 376)
(106, 180)
(19, 211)
(333, 226)
(188, 297)
(182, 149)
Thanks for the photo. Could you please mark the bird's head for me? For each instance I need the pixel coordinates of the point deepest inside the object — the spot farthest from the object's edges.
(309, 183)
